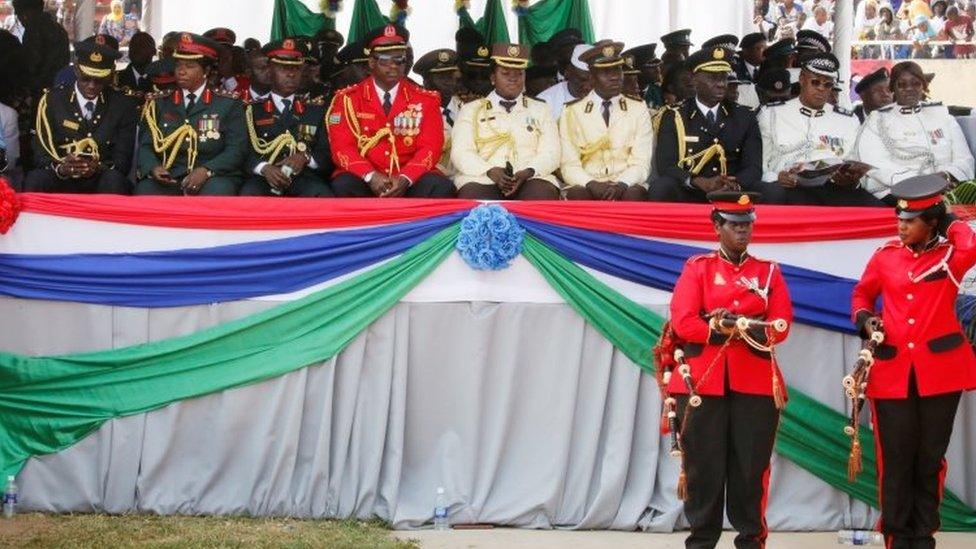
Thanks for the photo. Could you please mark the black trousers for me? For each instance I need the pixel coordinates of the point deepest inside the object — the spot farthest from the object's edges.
(430, 185)
(727, 443)
(107, 181)
(306, 185)
(824, 195)
(911, 437)
(668, 189)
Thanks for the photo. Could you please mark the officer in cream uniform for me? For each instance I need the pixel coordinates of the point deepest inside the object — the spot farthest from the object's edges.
(911, 137)
(606, 136)
(807, 129)
(506, 145)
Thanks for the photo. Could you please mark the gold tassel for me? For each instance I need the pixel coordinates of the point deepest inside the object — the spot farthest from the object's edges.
(778, 391)
(854, 465)
(682, 486)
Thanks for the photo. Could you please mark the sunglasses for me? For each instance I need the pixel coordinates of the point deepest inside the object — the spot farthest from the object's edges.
(390, 59)
(822, 84)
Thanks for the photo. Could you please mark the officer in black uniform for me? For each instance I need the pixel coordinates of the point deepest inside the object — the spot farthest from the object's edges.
(707, 143)
(85, 131)
(289, 153)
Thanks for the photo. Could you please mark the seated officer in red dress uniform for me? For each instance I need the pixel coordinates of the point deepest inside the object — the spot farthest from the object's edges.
(727, 441)
(925, 361)
(386, 132)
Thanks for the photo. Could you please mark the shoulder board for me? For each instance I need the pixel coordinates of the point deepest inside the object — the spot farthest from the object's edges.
(58, 87)
(346, 89)
(893, 243)
(885, 109)
(129, 92)
(317, 101)
(774, 104)
(631, 97)
(158, 95)
(700, 257)
(536, 99)
(228, 94)
(762, 260)
(843, 111)
(931, 104)
(575, 101)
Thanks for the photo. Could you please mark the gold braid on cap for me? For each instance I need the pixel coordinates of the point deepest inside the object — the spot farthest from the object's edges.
(45, 136)
(169, 145)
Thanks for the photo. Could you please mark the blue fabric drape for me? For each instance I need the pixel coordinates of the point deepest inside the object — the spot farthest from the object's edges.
(819, 299)
(209, 275)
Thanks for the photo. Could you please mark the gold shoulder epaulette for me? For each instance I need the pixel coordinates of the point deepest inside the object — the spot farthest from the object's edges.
(228, 94)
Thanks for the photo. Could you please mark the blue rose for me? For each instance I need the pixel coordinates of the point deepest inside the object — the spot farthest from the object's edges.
(490, 238)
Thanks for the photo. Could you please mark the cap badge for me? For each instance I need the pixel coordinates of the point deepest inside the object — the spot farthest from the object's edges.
(186, 38)
(443, 57)
(719, 53)
(744, 200)
(288, 44)
(778, 85)
(483, 51)
(629, 61)
(100, 39)
(608, 51)
(95, 57)
(903, 204)
(513, 50)
(389, 31)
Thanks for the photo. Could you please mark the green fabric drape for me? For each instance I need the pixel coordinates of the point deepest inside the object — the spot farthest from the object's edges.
(366, 16)
(492, 24)
(546, 17)
(50, 403)
(810, 434)
(293, 18)
(464, 18)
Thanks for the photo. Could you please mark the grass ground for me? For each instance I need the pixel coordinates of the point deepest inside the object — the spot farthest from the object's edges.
(149, 531)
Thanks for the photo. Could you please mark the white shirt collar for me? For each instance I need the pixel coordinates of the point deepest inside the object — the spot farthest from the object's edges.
(256, 95)
(81, 100)
(279, 101)
(139, 75)
(705, 110)
(198, 94)
(380, 92)
(597, 100)
(495, 98)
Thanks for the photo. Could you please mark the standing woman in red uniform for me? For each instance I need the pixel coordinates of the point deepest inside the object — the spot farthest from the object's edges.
(925, 361)
(727, 441)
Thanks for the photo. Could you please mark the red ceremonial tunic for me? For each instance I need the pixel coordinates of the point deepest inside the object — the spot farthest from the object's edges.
(407, 141)
(918, 300)
(756, 289)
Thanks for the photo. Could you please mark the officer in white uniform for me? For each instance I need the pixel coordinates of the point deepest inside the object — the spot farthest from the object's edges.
(562, 92)
(606, 136)
(804, 130)
(506, 146)
(911, 137)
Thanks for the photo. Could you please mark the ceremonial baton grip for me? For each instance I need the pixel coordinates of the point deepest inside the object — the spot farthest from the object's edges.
(855, 387)
(685, 372)
(744, 323)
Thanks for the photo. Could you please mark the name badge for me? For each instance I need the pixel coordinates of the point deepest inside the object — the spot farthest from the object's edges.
(71, 124)
(691, 138)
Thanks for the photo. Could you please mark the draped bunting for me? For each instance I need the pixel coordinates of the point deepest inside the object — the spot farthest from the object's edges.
(819, 299)
(293, 18)
(209, 275)
(50, 403)
(541, 20)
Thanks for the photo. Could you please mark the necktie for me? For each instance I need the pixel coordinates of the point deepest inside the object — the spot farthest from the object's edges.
(387, 103)
(286, 104)
(710, 117)
(191, 99)
(606, 112)
(447, 116)
(89, 110)
(507, 104)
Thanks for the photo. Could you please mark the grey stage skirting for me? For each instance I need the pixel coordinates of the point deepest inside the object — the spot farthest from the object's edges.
(525, 414)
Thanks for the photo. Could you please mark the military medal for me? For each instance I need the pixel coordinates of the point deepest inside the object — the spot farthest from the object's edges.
(301, 147)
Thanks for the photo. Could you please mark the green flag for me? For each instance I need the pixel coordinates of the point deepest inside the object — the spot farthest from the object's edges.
(541, 20)
(492, 24)
(366, 16)
(293, 18)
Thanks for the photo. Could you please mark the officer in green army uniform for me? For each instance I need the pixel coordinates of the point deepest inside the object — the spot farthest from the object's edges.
(289, 152)
(192, 138)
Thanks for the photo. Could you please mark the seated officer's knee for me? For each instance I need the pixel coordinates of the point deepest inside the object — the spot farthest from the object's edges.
(220, 186)
(538, 189)
(255, 186)
(479, 191)
(113, 182)
(578, 193)
(635, 193)
(40, 181)
(348, 185)
(432, 185)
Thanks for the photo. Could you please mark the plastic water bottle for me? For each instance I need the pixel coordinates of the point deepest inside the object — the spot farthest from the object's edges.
(440, 510)
(10, 498)
(860, 537)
